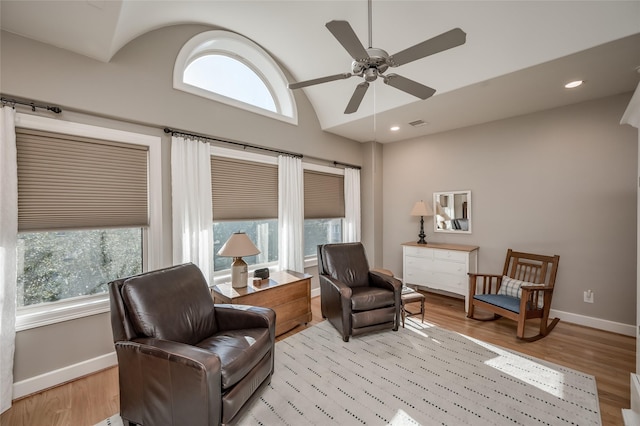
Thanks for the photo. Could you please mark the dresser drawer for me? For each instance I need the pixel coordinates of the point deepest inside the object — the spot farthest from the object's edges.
(449, 267)
(425, 253)
(451, 255)
(440, 266)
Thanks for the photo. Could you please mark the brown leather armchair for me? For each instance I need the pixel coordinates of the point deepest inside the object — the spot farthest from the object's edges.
(353, 298)
(183, 360)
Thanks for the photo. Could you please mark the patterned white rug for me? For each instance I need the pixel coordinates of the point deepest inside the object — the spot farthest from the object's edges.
(420, 375)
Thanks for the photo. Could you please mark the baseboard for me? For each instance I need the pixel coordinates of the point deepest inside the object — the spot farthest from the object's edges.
(57, 377)
(600, 324)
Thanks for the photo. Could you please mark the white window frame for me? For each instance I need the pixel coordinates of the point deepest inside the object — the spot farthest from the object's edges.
(50, 313)
(224, 275)
(311, 261)
(226, 43)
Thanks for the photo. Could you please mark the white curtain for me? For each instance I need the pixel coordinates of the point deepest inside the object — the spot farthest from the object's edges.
(8, 237)
(191, 204)
(351, 205)
(290, 213)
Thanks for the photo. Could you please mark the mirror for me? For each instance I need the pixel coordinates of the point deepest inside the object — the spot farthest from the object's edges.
(452, 211)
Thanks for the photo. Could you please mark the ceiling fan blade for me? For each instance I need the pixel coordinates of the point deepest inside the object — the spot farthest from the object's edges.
(320, 80)
(444, 41)
(345, 35)
(409, 86)
(356, 98)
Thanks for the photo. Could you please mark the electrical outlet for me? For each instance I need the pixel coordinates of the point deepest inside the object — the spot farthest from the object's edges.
(588, 296)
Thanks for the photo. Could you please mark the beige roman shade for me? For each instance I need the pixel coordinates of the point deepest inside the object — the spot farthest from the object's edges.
(243, 190)
(323, 195)
(75, 182)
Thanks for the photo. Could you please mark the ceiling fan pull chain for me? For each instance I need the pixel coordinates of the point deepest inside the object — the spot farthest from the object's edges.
(370, 26)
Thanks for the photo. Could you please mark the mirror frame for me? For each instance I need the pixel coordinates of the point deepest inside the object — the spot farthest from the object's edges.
(436, 196)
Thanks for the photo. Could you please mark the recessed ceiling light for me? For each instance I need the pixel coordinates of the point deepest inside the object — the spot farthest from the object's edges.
(573, 84)
(394, 128)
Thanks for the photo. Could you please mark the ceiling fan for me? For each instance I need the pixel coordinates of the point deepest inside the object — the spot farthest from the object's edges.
(372, 63)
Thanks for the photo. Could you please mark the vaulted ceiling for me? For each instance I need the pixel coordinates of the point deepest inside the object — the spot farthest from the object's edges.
(516, 59)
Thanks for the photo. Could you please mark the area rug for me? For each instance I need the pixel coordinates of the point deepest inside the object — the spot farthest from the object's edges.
(420, 375)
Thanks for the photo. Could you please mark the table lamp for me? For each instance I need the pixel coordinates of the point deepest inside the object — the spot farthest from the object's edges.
(238, 245)
(421, 209)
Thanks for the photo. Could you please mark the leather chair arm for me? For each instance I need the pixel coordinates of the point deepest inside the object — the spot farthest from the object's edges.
(238, 317)
(382, 280)
(143, 363)
(337, 286)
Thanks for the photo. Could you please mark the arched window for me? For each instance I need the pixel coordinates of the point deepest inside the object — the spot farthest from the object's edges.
(228, 68)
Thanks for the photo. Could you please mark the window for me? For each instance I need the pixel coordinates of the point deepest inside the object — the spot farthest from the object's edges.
(245, 199)
(59, 265)
(323, 207)
(88, 213)
(229, 68)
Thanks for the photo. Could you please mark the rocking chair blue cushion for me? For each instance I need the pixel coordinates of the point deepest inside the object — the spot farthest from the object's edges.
(509, 303)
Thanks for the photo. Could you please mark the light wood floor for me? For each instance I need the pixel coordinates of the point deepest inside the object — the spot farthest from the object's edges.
(607, 356)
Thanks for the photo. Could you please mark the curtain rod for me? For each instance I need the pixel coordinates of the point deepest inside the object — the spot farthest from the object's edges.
(33, 105)
(351, 166)
(244, 145)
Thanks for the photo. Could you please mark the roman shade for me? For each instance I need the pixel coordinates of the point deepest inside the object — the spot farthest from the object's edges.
(323, 195)
(67, 181)
(243, 190)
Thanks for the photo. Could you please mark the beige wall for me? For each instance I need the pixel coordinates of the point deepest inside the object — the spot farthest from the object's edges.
(134, 92)
(561, 181)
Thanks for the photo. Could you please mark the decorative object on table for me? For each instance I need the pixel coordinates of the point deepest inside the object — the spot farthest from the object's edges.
(523, 291)
(262, 273)
(421, 209)
(237, 246)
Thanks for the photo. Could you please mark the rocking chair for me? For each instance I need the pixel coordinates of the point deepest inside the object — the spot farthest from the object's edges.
(523, 291)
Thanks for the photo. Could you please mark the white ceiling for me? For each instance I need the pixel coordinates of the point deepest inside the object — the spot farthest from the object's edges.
(516, 59)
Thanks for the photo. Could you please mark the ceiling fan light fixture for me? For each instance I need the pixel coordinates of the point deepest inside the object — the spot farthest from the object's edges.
(574, 84)
(370, 74)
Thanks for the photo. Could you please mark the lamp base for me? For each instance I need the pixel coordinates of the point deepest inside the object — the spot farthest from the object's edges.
(421, 235)
(239, 273)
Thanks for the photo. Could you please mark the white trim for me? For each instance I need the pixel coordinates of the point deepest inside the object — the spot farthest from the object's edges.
(62, 375)
(323, 169)
(50, 313)
(237, 154)
(600, 324)
(255, 57)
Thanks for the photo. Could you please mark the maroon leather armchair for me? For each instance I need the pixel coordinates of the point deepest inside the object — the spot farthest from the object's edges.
(353, 298)
(183, 360)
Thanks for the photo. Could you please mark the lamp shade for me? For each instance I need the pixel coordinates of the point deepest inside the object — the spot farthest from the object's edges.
(238, 245)
(421, 209)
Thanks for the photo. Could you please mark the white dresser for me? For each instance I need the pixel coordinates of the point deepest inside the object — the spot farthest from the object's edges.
(439, 266)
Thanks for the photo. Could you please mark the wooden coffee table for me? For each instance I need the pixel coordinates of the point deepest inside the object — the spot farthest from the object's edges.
(286, 292)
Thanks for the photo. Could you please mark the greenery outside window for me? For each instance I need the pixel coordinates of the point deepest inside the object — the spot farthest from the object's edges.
(320, 231)
(58, 265)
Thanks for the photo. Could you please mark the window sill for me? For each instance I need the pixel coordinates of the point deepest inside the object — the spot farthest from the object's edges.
(65, 310)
